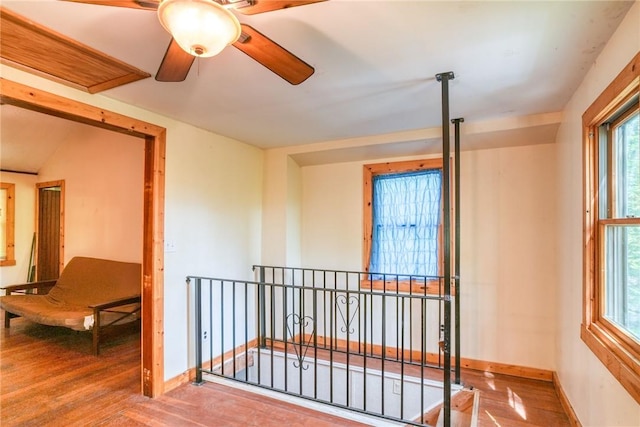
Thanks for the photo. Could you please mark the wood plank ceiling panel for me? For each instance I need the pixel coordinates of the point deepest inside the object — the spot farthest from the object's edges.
(40, 50)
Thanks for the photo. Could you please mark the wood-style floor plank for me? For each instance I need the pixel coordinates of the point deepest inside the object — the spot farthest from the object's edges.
(49, 377)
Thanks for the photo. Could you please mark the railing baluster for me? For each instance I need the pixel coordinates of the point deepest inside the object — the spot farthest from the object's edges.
(261, 309)
(222, 304)
(411, 283)
(371, 315)
(332, 297)
(364, 358)
(423, 348)
(303, 339)
(402, 361)
(246, 331)
(284, 333)
(315, 339)
(348, 352)
(261, 339)
(397, 314)
(440, 320)
(324, 308)
(198, 328)
(384, 340)
(210, 293)
(233, 327)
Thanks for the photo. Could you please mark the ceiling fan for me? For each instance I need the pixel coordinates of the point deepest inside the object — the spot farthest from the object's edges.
(180, 55)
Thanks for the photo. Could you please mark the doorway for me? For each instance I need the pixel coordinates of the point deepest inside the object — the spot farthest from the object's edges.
(49, 242)
(17, 94)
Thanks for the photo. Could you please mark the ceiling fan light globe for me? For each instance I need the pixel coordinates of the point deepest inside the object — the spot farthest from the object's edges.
(200, 27)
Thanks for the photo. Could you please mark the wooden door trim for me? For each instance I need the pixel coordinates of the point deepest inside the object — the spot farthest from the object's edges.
(153, 241)
(39, 185)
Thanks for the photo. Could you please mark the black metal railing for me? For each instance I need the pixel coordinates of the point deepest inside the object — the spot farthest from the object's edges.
(359, 341)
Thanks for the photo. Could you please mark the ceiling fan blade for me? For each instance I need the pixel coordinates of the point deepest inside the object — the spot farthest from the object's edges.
(175, 65)
(260, 6)
(273, 56)
(134, 4)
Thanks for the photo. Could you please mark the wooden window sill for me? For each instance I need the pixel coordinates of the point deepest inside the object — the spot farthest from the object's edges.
(405, 286)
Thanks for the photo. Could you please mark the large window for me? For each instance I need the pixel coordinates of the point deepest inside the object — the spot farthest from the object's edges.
(611, 324)
(620, 220)
(7, 207)
(403, 223)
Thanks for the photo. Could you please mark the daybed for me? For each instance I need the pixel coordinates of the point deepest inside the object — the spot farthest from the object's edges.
(91, 294)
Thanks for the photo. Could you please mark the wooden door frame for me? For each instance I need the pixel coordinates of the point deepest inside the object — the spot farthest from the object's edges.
(20, 95)
(39, 186)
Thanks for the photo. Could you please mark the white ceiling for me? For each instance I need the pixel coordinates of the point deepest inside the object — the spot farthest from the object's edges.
(375, 64)
(29, 138)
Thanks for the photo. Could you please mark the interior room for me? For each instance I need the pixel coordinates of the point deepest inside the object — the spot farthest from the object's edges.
(244, 163)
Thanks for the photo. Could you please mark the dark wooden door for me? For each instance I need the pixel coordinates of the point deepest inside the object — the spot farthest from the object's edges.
(49, 235)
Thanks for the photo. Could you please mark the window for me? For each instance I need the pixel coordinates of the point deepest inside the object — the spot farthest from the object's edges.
(7, 214)
(403, 223)
(611, 320)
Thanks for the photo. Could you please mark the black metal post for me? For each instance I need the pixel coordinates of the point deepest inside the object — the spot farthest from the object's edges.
(198, 309)
(262, 310)
(444, 78)
(456, 268)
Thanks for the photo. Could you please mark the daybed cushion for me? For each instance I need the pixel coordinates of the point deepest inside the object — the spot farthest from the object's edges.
(39, 309)
(84, 282)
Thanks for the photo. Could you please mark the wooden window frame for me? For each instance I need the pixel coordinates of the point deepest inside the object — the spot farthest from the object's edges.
(615, 348)
(10, 232)
(434, 287)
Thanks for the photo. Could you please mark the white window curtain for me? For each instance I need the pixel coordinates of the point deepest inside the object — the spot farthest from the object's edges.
(406, 218)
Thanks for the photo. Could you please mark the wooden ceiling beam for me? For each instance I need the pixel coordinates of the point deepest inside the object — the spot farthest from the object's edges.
(37, 49)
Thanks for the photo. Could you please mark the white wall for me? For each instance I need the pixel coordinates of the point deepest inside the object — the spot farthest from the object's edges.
(213, 210)
(281, 221)
(274, 217)
(104, 175)
(508, 254)
(25, 208)
(595, 394)
(213, 219)
(332, 216)
(294, 212)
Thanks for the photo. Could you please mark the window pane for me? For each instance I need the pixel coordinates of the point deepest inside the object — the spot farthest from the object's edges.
(627, 158)
(3, 223)
(406, 219)
(603, 176)
(622, 277)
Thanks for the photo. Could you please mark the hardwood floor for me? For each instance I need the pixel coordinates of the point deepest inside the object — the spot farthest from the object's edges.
(48, 377)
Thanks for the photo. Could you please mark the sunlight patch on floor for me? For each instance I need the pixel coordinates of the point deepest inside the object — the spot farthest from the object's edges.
(490, 381)
(495, 422)
(515, 402)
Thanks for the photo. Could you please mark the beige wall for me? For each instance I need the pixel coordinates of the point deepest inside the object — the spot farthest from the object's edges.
(508, 254)
(103, 175)
(596, 396)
